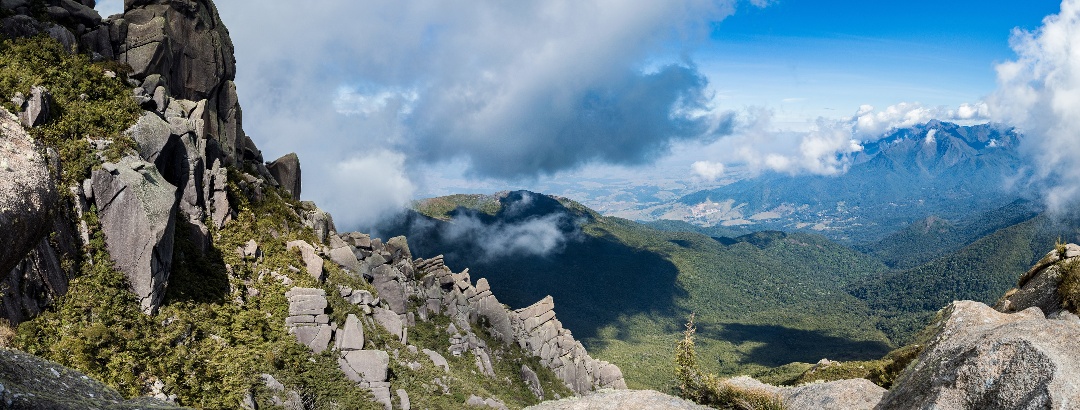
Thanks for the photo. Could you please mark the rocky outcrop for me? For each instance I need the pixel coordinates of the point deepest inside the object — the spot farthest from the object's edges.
(985, 359)
(1038, 287)
(185, 43)
(533, 328)
(36, 110)
(622, 400)
(307, 318)
(286, 170)
(27, 193)
(137, 209)
(31, 383)
(849, 394)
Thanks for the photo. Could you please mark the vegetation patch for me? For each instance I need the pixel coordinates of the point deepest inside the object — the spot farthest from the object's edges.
(1069, 289)
(88, 103)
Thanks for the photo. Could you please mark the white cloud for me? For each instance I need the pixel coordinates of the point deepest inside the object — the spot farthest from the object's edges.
(512, 90)
(930, 140)
(824, 150)
(1039, 92)
(375, 183)
(870, 124)
(708, 170)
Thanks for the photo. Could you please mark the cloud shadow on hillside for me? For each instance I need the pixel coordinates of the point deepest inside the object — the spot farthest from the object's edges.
(782, 345)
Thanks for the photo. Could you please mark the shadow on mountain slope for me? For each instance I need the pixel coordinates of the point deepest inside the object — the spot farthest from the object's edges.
(781, 345)
(593, 279)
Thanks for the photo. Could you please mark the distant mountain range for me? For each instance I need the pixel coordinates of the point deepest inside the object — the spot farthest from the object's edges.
(935, 169)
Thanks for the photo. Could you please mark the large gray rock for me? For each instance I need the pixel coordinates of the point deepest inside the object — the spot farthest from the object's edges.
(370, 365)
(621, 400)
(532, 381)
(346, 258)
(286, 170)
(312, 262)
(27, 193)
(137, 208)
(350, 337)
(185, 42)
(390, 284)
(37, 110)
(31, 383)
(391, 322)
(1038, 286)
(985, 359)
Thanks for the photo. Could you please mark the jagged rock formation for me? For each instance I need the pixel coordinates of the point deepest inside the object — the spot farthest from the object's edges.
(287, 171)
(137, 207)
(185, 43)
(534, 328)
(31, 383)
(984, 359)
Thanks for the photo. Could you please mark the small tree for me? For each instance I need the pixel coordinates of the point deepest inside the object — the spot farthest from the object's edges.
(708, 389)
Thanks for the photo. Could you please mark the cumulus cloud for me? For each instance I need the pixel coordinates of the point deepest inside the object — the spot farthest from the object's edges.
(825, 149)
(510, 89)
(708, 170)
(375, 183)
(1039, 92)
(870, 124)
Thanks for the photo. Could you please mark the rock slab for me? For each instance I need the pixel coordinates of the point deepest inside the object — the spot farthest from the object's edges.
(137, 209)
(27, 194)
(985, 359)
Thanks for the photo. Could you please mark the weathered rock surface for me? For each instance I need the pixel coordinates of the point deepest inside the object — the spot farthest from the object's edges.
(40, 277)
(307, 319)
(36, 110)
(312, 262)
(984, 359)
(1038, 286)
(532, 381)
(187, 45)
(136, 207)
(286, 170)
(31, 383)
(621, 400)
(370, 365)
(27, 193)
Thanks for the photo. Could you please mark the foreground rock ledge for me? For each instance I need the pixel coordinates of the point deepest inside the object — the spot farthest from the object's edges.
(985, 359)
(620, 400)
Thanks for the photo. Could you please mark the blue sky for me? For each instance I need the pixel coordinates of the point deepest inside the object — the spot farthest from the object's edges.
(812, 58)
(388, 101)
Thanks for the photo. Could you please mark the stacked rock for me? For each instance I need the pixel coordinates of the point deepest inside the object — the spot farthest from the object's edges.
(307, 318)
(541, 334)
